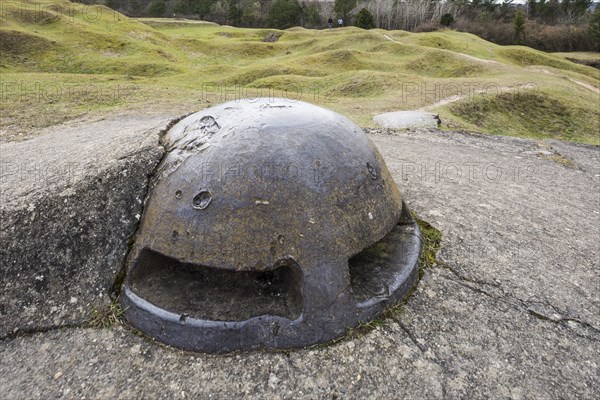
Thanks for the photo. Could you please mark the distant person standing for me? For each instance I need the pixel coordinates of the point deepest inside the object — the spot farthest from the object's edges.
(340, 22)
(330, 23)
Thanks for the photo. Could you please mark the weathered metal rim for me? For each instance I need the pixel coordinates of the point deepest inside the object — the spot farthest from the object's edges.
(268, 331)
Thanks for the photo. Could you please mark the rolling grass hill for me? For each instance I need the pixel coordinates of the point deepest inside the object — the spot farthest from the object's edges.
(65, 61)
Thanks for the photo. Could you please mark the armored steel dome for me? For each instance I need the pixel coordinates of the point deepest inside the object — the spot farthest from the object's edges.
(269, 224)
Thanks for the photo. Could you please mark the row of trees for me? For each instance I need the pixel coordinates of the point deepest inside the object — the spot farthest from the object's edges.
(244, 13)
(552, 11)
(552, 25)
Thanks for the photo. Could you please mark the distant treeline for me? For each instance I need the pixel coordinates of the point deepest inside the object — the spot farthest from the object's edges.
(550, 25)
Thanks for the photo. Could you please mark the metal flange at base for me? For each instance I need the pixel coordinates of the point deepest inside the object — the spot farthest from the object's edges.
(393, 272)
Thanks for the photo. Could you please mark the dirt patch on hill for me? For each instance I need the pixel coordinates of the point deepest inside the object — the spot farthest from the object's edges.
(272, 37)
(15, 43)
(590, 63)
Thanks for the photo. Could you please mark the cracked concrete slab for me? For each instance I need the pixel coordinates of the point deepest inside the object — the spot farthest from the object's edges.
(510, 311)
(69, 202)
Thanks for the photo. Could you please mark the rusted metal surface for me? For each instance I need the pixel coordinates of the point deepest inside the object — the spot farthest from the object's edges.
(249, 226)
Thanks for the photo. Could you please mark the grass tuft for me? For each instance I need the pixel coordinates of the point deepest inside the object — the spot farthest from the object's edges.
(106, 317)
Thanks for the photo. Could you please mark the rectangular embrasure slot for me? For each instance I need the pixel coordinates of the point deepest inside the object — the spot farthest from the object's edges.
(207, 293)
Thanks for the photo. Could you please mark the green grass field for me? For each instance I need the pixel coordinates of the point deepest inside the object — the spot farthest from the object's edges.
(66, 61)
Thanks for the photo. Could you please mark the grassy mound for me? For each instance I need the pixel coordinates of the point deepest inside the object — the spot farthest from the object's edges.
(444, 64)
(177, 66)
(524, 56)
(15, 45)
(363, 84)
(340, 60)
(531, 114)
(72, 38)
(458, 42)
(32, 16)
